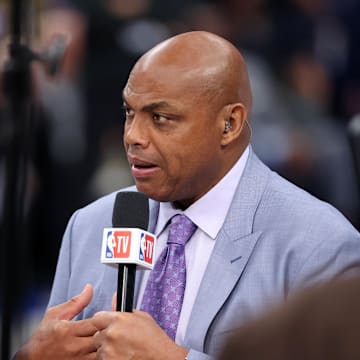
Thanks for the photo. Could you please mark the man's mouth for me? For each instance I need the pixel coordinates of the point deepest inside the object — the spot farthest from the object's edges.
(142, 169)
(143, 166)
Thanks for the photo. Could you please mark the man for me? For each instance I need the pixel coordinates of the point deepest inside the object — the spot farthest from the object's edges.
(258, 238)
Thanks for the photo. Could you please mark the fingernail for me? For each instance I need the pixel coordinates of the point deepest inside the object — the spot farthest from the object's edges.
(84, 289)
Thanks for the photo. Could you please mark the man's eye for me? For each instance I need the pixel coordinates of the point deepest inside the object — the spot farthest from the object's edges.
(160, 118)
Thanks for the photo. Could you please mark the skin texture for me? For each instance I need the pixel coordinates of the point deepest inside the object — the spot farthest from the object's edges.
(177, 101)
(58, 338)
(176, 108)
(136, 335)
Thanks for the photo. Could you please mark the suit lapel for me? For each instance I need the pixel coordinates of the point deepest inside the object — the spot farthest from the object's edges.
(234, 245)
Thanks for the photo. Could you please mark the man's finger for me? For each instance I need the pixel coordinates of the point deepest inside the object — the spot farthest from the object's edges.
(86, 344)
(72, 307)
(113, 302)
(102, 319)
(82, 328)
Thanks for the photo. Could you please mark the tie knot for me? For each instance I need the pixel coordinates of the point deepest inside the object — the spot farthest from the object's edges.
(181, 230)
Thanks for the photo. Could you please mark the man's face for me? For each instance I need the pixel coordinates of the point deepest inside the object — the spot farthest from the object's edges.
(172, 137)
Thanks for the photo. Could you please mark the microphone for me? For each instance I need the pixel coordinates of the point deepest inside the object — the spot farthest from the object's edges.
(128, 243)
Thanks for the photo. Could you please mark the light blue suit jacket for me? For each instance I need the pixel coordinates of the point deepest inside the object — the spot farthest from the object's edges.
(276, 239)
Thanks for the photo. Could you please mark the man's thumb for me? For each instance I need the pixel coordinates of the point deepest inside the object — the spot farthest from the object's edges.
(72, 307)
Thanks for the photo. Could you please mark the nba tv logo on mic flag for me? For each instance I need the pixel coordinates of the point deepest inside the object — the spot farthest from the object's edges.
(128, 246)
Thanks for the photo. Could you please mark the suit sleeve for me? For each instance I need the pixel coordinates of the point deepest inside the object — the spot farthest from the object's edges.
(197, 355)
(59, 292)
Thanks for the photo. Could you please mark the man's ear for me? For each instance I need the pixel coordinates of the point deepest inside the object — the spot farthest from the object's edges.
(234, 119)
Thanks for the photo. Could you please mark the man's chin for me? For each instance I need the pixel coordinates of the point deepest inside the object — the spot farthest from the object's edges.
(152, 192)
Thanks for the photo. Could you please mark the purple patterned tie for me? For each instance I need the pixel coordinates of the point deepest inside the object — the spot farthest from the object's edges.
(165, 288)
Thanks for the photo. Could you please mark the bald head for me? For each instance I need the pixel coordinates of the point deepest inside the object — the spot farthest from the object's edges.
(206, 62)
(187, 101)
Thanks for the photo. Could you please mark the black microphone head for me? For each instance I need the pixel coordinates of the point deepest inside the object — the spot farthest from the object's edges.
(131, 210)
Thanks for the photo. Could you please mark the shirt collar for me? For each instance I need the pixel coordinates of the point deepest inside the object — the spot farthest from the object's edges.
(209, 212)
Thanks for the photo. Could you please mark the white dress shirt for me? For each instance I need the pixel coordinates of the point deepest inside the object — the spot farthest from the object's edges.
(208, 213)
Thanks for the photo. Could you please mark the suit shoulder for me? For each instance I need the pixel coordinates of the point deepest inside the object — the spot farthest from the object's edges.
(297, 206)
(101, 208)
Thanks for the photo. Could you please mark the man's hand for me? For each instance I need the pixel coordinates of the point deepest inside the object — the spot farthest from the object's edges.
(59, 338)
(125, 335)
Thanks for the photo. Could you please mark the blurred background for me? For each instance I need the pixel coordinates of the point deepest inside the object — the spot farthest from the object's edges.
(303, 61)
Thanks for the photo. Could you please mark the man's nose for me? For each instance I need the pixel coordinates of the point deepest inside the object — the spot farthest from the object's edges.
(136, 133)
